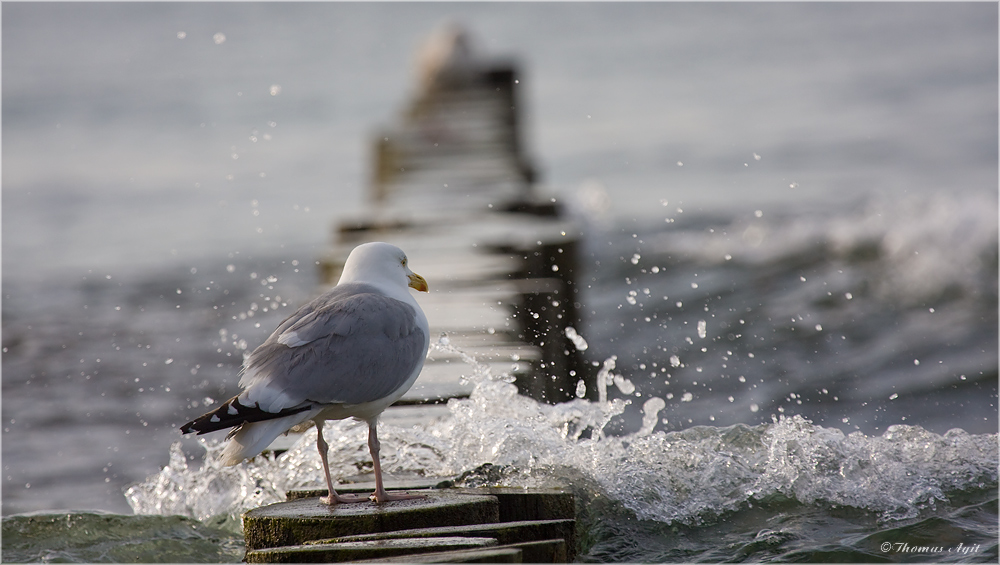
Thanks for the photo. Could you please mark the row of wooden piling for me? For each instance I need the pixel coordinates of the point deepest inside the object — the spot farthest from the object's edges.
(453, 186)
(492, 524)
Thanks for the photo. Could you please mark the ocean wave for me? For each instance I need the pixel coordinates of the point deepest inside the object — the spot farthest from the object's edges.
(686, 477)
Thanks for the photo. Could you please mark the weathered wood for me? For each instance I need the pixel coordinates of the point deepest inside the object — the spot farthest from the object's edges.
(298, 521)
(475, 117)
(504, 532)
(546, 551)
(514, 517)
(372, 549)
(453, 186)
(542, 551)
(518, 504)
(488, 555)
(365, 485)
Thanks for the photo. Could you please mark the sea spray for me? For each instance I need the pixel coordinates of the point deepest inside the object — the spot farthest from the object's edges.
(686, 477)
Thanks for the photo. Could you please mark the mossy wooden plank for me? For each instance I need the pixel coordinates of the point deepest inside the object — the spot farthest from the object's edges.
(506, 533)
(391, 483)
(297, 521)
(543, 551)
(369, 549)
(517, 504)
(487, 555)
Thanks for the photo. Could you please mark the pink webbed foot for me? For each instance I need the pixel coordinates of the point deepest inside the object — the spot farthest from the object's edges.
(336, 499)
(382, 496)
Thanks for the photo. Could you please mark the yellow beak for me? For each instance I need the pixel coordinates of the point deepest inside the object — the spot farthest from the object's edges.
(417, 282)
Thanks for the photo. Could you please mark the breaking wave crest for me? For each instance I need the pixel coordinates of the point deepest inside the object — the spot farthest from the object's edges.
(686, 477)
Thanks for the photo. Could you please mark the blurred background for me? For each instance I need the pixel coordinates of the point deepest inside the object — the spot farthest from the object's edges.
(171, 171)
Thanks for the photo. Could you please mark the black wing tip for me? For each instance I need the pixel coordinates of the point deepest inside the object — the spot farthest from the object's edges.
(203, 425)
(224, 419)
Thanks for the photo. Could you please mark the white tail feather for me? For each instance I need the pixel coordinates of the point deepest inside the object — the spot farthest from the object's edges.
(256, 436)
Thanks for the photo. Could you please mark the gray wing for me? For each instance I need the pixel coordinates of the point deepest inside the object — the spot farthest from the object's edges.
(351, 345)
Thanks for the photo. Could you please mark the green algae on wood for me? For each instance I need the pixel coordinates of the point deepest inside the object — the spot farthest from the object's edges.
(368, 549)
(546, 551)
(506, 533)
(487, 555)
(298, 521)
(518, 504)
(391, 483)
(543, 551)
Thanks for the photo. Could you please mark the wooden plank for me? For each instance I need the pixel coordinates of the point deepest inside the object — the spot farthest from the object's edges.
(504, 532)
(298, 521)
(360, 550)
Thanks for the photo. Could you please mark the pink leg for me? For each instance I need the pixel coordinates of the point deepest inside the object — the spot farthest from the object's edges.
(380, 495)
(333, 497)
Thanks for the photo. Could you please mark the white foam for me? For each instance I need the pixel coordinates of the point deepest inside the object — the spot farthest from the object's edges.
(683, 476)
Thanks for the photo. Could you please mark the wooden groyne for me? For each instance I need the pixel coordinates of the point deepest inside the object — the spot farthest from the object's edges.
(453, 186)
(451, 525)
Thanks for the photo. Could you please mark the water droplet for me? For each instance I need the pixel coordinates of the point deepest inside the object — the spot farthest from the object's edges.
(577, 339)
(624, 385)
(650, 410)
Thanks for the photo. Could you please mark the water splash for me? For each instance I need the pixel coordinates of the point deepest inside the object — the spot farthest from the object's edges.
(650, 414)
(480, 371)
(209, 492)
(685, 477)
(578, 342)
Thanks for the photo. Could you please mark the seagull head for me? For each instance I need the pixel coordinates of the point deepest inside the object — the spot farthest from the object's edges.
(379, 264)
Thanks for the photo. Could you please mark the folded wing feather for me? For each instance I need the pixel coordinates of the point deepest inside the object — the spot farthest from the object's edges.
(351, 345)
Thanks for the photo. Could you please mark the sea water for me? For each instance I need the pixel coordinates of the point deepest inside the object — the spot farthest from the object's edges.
(788, 270)
(706, 487)
(711, 439)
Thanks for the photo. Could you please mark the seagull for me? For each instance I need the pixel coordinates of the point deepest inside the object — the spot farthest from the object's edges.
(351, 352)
